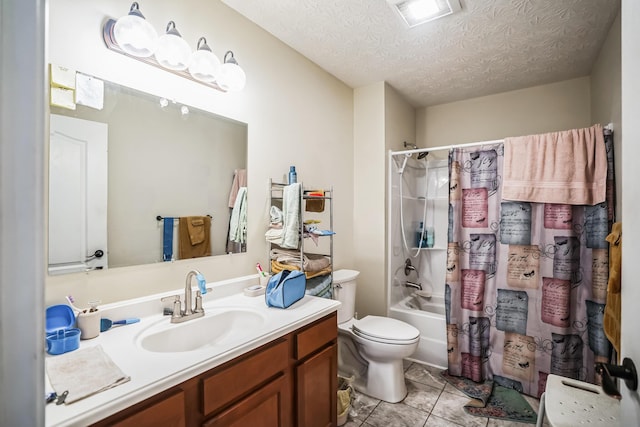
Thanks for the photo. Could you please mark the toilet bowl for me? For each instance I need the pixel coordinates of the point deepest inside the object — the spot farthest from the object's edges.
(371, 349)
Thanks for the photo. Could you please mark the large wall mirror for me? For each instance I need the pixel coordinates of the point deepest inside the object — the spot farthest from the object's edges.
(117, 173)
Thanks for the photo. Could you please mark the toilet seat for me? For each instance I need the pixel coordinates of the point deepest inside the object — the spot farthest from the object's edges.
(385, 330)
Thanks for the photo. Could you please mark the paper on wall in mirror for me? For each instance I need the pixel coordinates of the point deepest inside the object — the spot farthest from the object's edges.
(89, 91)
(62, 77)
(62, 98)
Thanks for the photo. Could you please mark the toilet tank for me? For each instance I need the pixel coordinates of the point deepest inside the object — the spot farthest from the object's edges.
(344, 290)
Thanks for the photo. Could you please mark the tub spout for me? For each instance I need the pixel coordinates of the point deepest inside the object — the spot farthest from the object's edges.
(409, 284)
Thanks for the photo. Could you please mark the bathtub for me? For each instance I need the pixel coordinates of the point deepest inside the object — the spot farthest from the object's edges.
(428, 316)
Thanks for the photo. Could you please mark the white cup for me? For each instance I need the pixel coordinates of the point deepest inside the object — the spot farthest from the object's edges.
(264, 279)
(89, 324)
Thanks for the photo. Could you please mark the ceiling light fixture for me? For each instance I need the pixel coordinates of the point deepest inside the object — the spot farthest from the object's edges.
(416, 12)
(172, 51)
(133, 36)
(205, 66)
(232, 77)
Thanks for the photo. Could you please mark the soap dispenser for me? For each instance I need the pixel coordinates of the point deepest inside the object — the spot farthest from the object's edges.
(420, 236)
(293, 176)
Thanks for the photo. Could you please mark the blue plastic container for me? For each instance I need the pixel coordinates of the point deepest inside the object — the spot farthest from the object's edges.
(63, 341)
(61, 336)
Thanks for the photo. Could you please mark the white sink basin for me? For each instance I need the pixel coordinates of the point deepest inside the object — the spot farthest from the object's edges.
(217, 328)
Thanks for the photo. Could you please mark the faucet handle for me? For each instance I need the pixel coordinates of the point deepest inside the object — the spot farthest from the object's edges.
(413, 285)
(177, 305)
(198, 308)
(199, 294)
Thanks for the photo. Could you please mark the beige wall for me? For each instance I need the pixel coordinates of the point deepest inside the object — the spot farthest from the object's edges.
(382, 121)
(606, 97)
(539, 109)
(297, 114)
(369, 200)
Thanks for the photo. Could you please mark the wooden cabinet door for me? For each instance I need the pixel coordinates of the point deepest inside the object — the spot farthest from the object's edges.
(317, 388)
(269, 406)
(167, 412)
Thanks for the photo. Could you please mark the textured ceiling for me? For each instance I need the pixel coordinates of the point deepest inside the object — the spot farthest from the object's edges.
(491, 46)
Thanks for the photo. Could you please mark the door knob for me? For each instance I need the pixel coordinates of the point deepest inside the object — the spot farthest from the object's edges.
(97, 254)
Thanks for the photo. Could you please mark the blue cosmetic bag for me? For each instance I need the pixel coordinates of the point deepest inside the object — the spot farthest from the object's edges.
(285, 288)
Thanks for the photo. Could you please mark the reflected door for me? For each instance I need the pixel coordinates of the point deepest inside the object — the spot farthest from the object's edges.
(77, 195)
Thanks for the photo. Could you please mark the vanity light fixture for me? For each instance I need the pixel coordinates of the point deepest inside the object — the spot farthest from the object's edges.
(173, 52)
(416, 12)
(133, 36)
(204, 66)
(232, 77)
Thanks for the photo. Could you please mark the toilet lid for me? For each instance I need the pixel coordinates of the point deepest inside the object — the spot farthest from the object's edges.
(385, 329)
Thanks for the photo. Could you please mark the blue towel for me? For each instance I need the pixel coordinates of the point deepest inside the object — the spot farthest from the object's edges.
(167, 239)
(320, 286)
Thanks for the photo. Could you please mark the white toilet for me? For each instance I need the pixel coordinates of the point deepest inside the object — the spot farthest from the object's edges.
(371, 349)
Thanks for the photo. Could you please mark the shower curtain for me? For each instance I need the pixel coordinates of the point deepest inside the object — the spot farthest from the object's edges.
(526, 282)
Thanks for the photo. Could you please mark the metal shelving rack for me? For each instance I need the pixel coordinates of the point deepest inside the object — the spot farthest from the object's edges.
(275, 198)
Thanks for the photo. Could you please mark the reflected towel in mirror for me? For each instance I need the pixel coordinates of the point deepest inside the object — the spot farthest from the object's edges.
(186, 249)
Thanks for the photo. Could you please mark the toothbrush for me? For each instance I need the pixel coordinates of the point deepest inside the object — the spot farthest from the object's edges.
(71, 301)
(260, 270)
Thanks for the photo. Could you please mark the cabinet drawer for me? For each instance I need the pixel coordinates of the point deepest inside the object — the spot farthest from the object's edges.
(315, 336)
(232, 382)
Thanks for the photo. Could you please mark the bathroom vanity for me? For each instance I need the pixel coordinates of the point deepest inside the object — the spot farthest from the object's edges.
(289, 381)
(281, 372)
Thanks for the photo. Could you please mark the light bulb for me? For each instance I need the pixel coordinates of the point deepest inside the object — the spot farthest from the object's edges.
(173, 52)
(204, 65)
(232, 77)
(134, 34)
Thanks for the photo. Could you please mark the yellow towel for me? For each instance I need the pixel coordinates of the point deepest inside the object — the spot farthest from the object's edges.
(277, 267)
(196, 229)
(613, 307)
(344, 401)
(186, 247)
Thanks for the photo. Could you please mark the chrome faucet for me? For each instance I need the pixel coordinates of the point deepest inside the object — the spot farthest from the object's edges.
(408, 268)
(187, 292)
(409, 284)
(190, 311)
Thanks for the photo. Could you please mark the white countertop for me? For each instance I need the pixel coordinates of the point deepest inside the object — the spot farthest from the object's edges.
(153, 372)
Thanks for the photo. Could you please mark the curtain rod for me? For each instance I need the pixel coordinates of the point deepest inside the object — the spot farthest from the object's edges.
(445, 147)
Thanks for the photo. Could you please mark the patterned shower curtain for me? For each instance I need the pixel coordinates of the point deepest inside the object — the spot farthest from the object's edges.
(526, 282)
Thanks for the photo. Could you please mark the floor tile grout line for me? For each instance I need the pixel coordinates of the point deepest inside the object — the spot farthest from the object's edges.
(369, 414)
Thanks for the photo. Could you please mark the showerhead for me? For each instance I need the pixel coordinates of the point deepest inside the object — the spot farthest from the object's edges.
(421, 155)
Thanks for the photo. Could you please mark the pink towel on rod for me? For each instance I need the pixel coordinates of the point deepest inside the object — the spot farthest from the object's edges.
(568, 167)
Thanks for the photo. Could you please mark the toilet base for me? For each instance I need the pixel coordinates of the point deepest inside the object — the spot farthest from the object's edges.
(377, 367)
(384, 381)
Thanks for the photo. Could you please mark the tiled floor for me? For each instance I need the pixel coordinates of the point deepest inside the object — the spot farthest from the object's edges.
(430, 402)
